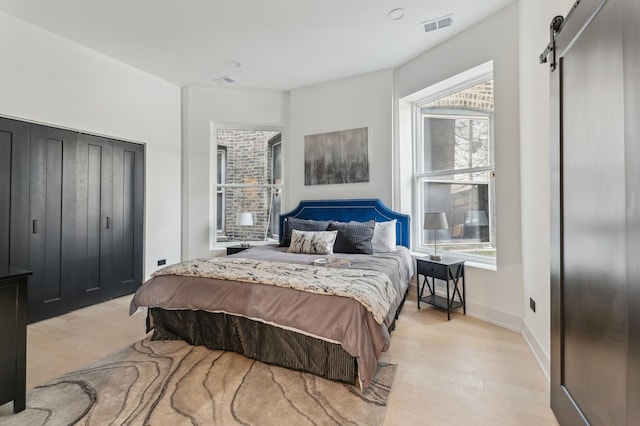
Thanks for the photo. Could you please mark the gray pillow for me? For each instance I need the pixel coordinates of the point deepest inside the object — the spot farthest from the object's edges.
(353, 237)
(292, 223)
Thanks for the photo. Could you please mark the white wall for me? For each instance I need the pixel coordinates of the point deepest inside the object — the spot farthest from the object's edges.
(534, 19)
(360, 101)
(495, 296)
(203, 107)
(47, 79)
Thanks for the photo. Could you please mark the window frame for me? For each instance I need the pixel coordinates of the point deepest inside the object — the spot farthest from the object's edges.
(220, 190)
(420, 176)
(214, 244)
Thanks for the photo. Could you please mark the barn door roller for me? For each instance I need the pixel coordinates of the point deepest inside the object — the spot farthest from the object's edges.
(554, 28)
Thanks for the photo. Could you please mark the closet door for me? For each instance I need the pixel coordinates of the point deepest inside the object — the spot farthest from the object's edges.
(94, 219)
(52, 221)
(128, 202)
(14, 185)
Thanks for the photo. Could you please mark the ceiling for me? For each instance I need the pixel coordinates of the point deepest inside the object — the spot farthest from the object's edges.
(280, 44)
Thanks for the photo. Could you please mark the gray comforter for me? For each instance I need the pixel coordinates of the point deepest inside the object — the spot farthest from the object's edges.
(332, 318)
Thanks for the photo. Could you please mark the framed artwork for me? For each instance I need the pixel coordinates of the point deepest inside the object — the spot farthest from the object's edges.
(337, 157)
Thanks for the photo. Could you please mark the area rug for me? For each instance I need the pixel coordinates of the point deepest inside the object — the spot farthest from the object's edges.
(173, 383)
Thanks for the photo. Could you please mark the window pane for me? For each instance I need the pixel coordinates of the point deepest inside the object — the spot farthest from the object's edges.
(276, 164)
(264, 206)
(455, 143)
(250, 162)
(220, 210)
(468, 210)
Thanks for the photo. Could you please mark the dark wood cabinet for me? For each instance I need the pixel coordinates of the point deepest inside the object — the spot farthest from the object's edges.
(13, 334)
(71, 212)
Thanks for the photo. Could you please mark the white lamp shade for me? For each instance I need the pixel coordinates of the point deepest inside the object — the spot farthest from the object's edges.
(435, 220)
(244, 219)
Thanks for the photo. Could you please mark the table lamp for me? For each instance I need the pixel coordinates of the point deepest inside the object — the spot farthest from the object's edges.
(435, 221)
(244, 219)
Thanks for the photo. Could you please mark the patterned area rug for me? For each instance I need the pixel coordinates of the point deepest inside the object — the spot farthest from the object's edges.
(173, 383)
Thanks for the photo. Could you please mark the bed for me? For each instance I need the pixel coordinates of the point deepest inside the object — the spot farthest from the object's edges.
(278, 306)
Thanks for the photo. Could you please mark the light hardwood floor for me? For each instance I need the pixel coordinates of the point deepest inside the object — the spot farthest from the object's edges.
(459, 372)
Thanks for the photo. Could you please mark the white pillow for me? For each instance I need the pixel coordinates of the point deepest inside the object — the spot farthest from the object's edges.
(384, 237)
(312, 242)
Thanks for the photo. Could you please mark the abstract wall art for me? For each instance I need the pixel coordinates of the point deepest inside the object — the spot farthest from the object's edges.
(337, 157)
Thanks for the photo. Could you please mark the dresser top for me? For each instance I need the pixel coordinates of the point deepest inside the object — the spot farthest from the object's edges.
(11, 272)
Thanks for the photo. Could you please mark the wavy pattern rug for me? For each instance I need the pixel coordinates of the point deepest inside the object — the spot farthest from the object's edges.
(173, 383)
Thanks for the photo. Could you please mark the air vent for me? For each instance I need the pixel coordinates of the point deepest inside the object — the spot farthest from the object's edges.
(225, 79)
(438, 24)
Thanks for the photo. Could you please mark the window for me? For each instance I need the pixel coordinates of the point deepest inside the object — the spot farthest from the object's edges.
(220, 179)
(454, 169)
(248, 180)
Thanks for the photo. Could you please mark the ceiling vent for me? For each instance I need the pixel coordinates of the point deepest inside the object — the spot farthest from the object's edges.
(225, 79)
(438, 24)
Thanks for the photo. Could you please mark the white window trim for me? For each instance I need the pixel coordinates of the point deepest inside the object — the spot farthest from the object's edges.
(213, 169)
(445, 88)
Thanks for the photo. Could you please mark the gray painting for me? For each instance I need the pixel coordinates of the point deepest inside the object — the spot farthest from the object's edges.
(337, 157)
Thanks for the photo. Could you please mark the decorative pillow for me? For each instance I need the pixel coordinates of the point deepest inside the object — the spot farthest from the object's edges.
(384, 237)
(312, 242)
(353, 237)
(292, 223)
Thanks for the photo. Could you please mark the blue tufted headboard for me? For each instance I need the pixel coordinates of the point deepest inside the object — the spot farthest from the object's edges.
(359, 210)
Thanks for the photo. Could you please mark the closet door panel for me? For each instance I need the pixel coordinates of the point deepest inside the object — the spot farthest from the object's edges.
(128, 216)
(5, 197)
(94, 222)
(14, 202)
(52, 216)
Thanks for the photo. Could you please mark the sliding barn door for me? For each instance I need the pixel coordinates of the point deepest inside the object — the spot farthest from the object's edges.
(595, 206)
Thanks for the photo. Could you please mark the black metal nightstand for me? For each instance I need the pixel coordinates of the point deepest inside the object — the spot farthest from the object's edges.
(235, 249)
(447, 270)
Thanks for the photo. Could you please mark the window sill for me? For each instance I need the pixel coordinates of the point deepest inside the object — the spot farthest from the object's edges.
(467, 262)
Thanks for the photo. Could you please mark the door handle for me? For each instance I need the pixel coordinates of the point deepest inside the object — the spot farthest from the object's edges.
(34, 225)
(108, 222)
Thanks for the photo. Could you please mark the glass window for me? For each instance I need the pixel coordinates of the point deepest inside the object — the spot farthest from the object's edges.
(220, 179)
(455, 170)
(248, 180)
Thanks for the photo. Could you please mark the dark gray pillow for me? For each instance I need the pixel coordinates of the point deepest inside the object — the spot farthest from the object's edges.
(353, 237)
(291, 223)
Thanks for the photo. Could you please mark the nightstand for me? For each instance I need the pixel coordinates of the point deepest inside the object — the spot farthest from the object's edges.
(13, 332)
(448, 270)
(235, 249)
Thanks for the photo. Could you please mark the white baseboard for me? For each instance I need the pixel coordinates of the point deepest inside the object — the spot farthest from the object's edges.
(501, 319)
(536, 348)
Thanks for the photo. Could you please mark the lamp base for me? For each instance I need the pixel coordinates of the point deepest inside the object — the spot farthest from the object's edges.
(435, 257)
